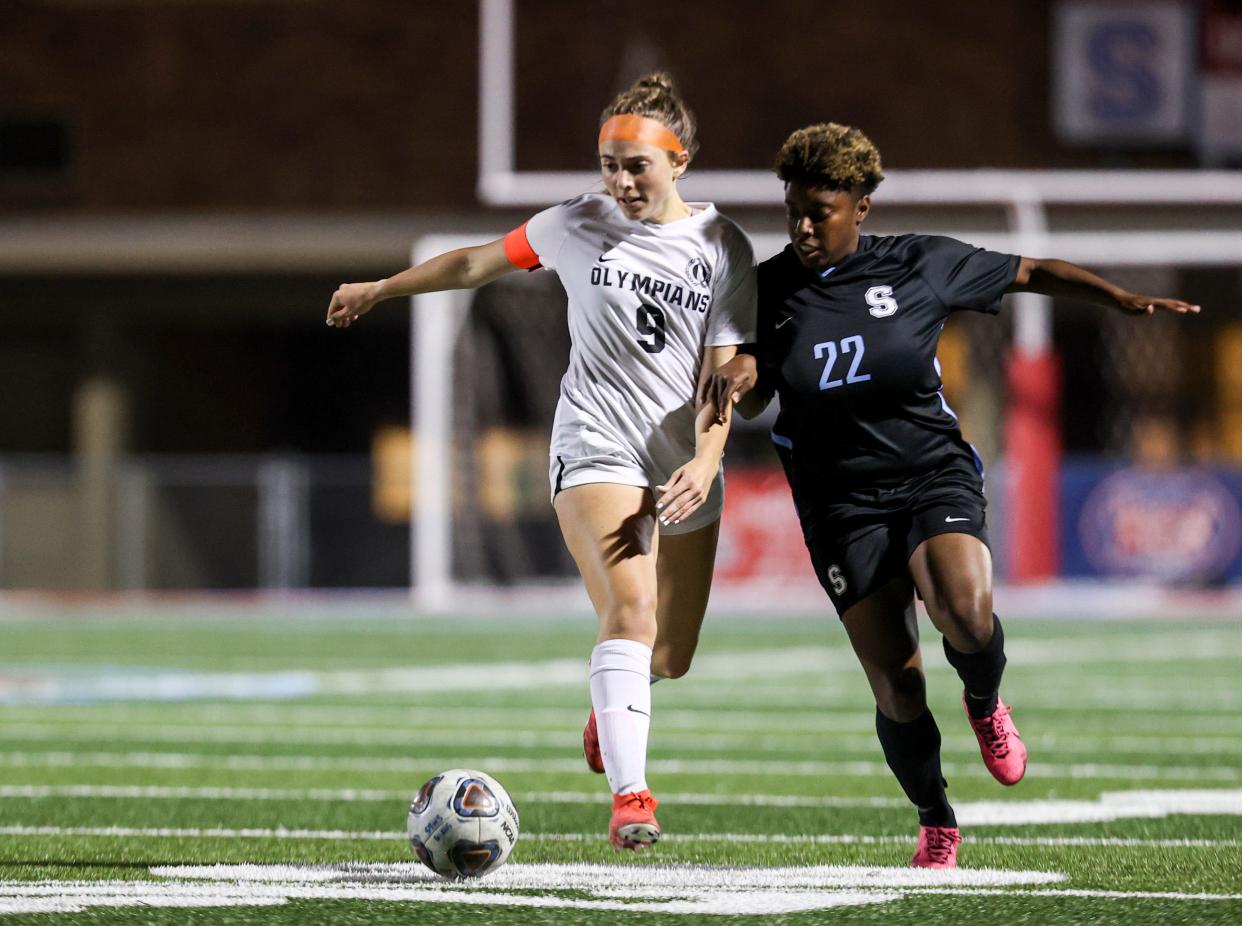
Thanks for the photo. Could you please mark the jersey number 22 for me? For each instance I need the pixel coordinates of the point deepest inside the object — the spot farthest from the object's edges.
(828, 349)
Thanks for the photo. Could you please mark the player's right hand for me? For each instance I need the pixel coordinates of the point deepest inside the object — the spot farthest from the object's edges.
(729, 382)
(350, 302)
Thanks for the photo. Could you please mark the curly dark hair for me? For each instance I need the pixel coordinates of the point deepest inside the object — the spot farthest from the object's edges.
(654, 96)
(830, 156)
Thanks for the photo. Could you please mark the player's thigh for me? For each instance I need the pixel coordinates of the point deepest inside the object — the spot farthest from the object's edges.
(884, 633)
(684, 579)
(953, 574)
(610, 532)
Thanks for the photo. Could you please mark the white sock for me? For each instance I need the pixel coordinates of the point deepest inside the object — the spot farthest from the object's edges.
(621, 696)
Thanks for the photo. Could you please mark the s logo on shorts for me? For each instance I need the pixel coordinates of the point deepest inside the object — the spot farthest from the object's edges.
(836, 580)
(699, 272)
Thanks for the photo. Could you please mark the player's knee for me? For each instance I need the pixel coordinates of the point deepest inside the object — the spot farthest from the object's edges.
(903, 695)
(632, 615)
(970, 612)
(668, 663)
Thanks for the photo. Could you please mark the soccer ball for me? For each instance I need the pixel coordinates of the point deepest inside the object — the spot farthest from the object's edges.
(462, 824)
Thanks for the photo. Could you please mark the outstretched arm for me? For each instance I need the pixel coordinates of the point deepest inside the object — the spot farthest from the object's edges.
(1061, 278)
(465, 268)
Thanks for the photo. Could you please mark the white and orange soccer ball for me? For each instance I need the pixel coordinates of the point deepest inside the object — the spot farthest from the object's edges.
(462, 824)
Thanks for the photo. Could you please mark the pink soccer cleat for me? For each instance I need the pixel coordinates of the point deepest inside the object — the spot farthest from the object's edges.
(937, 847)
(633, 824)
(1003, 751)
(590, 746)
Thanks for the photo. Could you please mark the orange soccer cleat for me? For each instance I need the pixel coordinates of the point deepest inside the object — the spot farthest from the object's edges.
(633, 824)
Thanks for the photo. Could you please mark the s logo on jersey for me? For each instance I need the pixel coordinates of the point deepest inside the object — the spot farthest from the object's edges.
(699, 272)
(881, 300)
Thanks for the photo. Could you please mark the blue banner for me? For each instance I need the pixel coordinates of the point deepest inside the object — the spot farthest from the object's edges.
(1175, 525)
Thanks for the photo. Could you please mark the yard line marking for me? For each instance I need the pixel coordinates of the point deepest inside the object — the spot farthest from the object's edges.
(656, 889)
(132, 832)
(667, 889)
(414, 718)
(426, 765)
(87, 684)
(1196, 727)
(801, 740)
(847, 839)
(174, 792)
(51, 685)
(1111, 805)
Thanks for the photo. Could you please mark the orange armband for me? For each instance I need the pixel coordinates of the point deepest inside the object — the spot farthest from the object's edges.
(519, 251)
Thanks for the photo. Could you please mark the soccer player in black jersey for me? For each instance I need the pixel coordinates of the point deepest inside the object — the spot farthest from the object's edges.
(889, 494)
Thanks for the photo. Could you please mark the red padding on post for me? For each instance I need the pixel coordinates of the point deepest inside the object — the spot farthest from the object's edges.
(1033, 464)
(519, 251)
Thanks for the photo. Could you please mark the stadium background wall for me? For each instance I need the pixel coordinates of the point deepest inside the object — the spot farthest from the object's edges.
(181, 186)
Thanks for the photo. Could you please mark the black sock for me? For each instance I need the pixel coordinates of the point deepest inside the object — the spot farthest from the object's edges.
(981, 672)
(913, 753)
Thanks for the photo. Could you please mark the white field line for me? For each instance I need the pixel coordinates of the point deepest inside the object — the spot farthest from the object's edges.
(1207, 723)
(427, 764)
(661, 889)
(36, 685)
(1197, 696)
(704, 720)
(1215, 645)
(813, 742)
(134, 832)
(1109, 806)
(353, 795)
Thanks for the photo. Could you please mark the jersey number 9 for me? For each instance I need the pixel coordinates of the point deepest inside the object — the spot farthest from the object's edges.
(650, 325)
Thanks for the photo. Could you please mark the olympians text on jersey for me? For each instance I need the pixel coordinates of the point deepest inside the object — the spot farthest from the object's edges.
(644, 301)
(852, 354)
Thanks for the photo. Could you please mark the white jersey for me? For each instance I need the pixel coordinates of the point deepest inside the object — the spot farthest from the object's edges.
(644, 302)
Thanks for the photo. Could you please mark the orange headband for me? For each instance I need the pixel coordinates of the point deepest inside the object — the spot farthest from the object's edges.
(642, 130)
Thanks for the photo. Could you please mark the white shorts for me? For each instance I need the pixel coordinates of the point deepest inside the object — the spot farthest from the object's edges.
(567, 473)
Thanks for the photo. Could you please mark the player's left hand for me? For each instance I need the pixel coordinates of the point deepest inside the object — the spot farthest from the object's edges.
(1134, 304)
(685, 490)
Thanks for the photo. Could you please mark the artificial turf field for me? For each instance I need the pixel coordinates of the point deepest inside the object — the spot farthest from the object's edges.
(139, 745)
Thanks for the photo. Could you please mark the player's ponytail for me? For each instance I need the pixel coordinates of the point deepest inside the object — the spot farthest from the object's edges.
(654, 96)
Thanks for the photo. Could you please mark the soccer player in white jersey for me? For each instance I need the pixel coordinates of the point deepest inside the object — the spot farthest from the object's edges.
(661, 292)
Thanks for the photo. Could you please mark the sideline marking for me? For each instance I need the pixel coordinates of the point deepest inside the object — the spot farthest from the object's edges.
(1111, 805)
(128, 832)
(427, 765)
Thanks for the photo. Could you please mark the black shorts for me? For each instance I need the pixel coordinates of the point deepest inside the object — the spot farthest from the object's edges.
(860, 542)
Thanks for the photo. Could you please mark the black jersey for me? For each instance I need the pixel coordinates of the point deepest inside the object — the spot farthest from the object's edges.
(852, 354)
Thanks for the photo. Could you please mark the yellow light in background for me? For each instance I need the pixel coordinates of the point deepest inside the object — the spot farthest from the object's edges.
(392, 456)
(513, 472)
(1229, 388)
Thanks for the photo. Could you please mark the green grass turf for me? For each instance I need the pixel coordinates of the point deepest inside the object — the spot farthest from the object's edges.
(772, 708)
